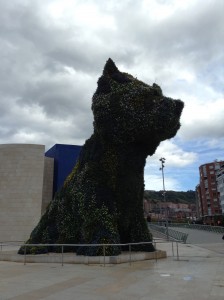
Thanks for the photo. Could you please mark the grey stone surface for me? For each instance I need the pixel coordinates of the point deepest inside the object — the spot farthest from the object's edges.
(23, 196)
(13, 256)
(200, 236)
(198, 274)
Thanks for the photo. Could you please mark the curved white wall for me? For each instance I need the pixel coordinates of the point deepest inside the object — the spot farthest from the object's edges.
(22, 168)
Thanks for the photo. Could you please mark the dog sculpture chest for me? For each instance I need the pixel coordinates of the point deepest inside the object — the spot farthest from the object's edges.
(101, 200)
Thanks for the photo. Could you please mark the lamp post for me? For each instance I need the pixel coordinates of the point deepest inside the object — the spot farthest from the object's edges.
(162, 159)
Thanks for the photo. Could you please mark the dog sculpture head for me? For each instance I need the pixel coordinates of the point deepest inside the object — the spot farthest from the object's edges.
(126, 110)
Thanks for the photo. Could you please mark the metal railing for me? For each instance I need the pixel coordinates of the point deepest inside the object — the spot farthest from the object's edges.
(215, 229)
(11, 244)
(172, 234)
(155, 242)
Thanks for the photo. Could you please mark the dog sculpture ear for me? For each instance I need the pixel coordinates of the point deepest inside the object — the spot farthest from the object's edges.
(110, 68)
(110, 71)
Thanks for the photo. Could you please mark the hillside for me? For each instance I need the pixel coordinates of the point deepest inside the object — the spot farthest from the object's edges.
(171, 196)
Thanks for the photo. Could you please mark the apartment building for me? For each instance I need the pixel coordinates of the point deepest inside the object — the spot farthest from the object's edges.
(220, 186)
(207, 191)
(174, 211)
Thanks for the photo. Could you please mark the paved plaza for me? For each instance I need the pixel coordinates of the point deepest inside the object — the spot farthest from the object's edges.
(200, 236)
(198, 273)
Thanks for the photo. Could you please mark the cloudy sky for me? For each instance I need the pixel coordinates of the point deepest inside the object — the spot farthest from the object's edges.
(53, 51)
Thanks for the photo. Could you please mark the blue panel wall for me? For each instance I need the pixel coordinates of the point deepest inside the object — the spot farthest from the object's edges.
(65, 158)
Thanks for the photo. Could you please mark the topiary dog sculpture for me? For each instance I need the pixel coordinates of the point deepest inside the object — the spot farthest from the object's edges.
(101, 201)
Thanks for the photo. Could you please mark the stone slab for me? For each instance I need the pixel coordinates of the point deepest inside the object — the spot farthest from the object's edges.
(72, 258)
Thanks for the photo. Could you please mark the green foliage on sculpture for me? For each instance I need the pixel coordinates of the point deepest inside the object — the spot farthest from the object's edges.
(101, 201)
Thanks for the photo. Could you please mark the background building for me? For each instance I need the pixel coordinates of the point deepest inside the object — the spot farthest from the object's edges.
(26, 179)
(220, 186)
(175, 211)
(65, 157)
(26, 184)
(207, 191)
(199, 207)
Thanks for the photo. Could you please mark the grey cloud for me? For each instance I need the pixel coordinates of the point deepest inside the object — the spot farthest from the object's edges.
(57, 97)
(205, 130)
(193, 36)
(15, 125)
(35, 52)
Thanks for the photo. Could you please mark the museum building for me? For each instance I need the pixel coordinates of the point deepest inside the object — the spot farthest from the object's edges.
(29, 178)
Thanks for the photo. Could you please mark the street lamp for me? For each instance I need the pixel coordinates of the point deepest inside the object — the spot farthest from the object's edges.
(162, 159)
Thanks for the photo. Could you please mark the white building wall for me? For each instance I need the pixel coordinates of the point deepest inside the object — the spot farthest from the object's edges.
(21, 189)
